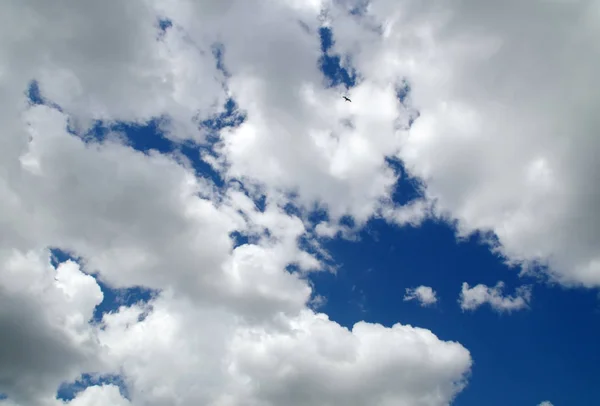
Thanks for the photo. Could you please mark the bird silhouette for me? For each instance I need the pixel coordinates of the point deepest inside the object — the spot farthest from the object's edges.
(347, 99)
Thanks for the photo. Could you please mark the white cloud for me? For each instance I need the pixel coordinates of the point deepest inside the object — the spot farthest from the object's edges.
(286, 364)
(425, 295)
(98, 396)
(44, 312)
(545, 403)
(472, 298)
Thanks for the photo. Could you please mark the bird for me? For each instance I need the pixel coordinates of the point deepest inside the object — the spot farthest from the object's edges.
(347, 99)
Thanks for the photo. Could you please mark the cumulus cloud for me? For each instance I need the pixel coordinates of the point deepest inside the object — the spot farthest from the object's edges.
(44, 311)
(103, 62)
(286, 364)
(472, 298)
(545, 403)
(425, 295)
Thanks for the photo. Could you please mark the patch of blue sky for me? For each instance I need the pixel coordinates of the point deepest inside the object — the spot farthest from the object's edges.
(240, 238)
(331, 65)
(408, 188)
(403, 90)
(164, 24)
(149, 136)
(69, 390)
(218, 50)
(35, 96)
(360, 8)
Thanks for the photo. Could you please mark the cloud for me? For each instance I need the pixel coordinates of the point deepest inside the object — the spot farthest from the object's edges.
(287, 364)
(98, 396)
(46, 338)
(545, 403)
(425, 295)
(472, 298)
(105, 63)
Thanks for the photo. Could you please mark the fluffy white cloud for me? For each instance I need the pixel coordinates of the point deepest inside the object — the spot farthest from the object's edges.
(104, 62)
(472, 298)
(306, 359)
(98, 396)
(326, 364)
(425, 295)
(545, 403)
(45, 338)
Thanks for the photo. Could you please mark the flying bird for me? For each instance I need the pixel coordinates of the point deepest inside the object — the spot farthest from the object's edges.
(347, 99)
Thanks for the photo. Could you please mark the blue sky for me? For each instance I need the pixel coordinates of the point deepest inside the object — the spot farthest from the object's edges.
(549, 351)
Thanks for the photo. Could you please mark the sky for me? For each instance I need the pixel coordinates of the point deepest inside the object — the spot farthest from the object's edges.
(192, 214)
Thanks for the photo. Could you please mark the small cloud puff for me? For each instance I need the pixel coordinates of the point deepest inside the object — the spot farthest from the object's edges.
(424, 294)
(472, 298)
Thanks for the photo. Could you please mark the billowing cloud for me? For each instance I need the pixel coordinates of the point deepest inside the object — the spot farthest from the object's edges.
(306, 359)
(472, 298)
(425, 295)
(105, 63)
(44, 311)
